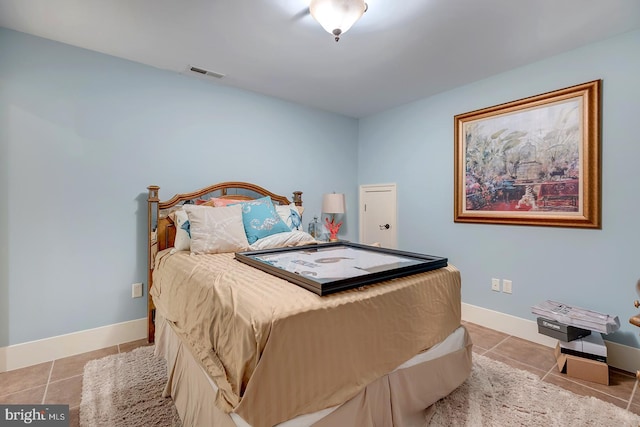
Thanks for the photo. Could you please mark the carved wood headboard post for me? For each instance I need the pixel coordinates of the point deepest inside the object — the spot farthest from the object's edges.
(152, 247)
(297, 198)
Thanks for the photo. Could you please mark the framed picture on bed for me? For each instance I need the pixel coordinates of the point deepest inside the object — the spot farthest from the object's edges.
(333, 267)
(534, 161)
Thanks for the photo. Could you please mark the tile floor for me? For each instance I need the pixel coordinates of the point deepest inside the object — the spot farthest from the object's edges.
(60, 381)
(56, 382)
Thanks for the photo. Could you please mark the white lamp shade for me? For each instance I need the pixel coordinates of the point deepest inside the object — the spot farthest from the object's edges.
(333, 203)
(337, 16)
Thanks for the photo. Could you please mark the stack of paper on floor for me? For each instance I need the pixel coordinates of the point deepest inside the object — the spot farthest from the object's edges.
(581, 351)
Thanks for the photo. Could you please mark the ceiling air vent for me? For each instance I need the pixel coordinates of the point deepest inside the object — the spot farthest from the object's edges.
(205, 72)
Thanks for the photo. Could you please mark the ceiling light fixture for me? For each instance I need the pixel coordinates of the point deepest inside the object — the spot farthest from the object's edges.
(337, 16)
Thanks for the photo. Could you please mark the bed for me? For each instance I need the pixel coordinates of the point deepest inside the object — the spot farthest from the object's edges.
(246, 348)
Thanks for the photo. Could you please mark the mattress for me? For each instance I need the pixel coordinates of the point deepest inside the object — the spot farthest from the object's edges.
(260, 338)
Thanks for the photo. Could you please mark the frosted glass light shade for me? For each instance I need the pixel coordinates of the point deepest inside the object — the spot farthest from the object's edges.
(333, 203)
(337, 16)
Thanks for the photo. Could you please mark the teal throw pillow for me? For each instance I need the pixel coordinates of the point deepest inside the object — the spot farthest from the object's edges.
(260, 219)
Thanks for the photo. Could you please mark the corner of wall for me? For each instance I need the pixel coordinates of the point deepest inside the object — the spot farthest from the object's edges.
(4, 222)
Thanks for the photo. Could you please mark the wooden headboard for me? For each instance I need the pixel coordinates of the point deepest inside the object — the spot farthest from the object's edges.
(161, 231)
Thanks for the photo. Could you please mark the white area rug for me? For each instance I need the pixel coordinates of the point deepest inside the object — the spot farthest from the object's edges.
(125, 390)
(498, 395)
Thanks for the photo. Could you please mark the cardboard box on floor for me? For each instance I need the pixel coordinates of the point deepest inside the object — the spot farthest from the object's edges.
(581, 368)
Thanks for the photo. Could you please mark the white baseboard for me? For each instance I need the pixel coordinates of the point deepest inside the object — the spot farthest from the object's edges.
(31, 353)
(618, 355)
(48, 349)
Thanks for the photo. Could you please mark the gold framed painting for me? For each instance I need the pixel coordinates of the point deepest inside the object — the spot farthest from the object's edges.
(534, 161)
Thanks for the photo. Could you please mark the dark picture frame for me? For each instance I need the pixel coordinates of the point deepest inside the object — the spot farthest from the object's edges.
(534, 161)
(333, 267)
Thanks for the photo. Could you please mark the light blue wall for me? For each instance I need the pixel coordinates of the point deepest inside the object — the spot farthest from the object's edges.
(83, 134)
(413, 146)
(4, 215)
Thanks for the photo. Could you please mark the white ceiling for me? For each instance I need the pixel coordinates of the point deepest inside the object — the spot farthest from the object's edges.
(400, 51)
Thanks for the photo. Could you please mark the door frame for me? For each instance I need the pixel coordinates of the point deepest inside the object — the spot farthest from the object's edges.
(362, 190)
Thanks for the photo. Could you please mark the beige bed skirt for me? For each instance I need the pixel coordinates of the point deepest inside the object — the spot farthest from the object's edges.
(400, 398)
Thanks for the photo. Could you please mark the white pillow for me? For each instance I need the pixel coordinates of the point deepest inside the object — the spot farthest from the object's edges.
(281, 240)
(183, 236)
(216, 230)
(291, 216)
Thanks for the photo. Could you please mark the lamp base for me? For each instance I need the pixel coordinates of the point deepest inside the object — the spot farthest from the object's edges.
(333, 229)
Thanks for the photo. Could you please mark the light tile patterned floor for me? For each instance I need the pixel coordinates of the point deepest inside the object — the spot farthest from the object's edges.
(60, 381)
(56, 382)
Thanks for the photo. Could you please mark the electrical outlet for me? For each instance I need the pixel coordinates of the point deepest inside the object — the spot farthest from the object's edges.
(506, 286)
(136, 290)
(495, 285)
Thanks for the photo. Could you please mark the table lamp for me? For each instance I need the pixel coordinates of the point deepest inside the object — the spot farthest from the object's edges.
(333, 204)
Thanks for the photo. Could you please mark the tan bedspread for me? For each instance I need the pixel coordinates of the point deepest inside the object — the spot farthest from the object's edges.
(276, 350)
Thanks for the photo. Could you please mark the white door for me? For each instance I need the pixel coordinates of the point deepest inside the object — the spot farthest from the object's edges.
(378, 215)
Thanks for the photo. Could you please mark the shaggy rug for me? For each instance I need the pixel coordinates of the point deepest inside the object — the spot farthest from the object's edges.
(496, 394)
(125, 390)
